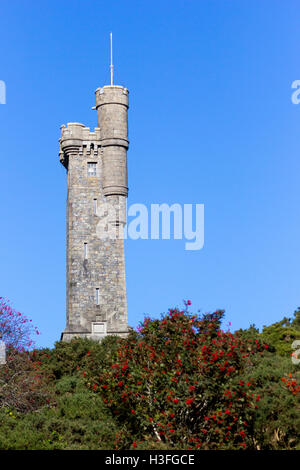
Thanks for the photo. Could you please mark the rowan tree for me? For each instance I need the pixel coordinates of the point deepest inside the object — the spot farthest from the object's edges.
(177, 381)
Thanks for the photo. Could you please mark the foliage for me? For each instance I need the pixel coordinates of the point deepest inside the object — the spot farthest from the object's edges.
(277, 421)
(66, 359)
(281, 335)
(22, 387)
(277, 418)
(177, 381)
(79, 420)
(16, 330)
(69, 416)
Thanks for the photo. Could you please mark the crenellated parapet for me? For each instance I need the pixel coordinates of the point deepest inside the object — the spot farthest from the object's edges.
(77, 138)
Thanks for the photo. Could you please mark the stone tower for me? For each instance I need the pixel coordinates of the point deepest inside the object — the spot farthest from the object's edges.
(96, 164)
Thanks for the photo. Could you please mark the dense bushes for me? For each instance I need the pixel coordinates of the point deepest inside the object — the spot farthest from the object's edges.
(281, 335)
(22, 386)
(77, 421)
(183, 382)
(179, 382)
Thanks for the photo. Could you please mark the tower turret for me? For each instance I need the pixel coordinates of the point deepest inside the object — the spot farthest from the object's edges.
(112, 106)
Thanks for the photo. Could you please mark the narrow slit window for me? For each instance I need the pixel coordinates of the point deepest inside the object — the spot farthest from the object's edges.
(92, 169)
(95, 206)
(97, 297)
(85, 249)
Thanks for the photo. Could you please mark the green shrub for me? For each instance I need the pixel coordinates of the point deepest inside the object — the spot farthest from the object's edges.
(78, 421)
(177, 383)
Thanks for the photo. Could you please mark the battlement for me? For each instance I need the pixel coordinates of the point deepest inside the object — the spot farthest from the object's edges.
(116, 95)
(74, 137)
(112, 88)
(78, 131)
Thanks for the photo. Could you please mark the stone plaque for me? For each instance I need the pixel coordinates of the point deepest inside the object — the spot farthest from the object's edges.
(99, 328)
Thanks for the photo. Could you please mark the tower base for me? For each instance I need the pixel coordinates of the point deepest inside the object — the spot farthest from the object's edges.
(68, 335)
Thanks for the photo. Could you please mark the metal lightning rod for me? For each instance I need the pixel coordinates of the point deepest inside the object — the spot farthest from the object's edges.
(111, 63)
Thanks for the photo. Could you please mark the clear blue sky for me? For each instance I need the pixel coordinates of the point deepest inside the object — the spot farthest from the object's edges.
(211, 121)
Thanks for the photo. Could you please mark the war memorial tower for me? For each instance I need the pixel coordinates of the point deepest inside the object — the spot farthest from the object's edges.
(96, 164)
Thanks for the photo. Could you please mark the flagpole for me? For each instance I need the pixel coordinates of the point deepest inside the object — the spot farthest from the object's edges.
(111, 63)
